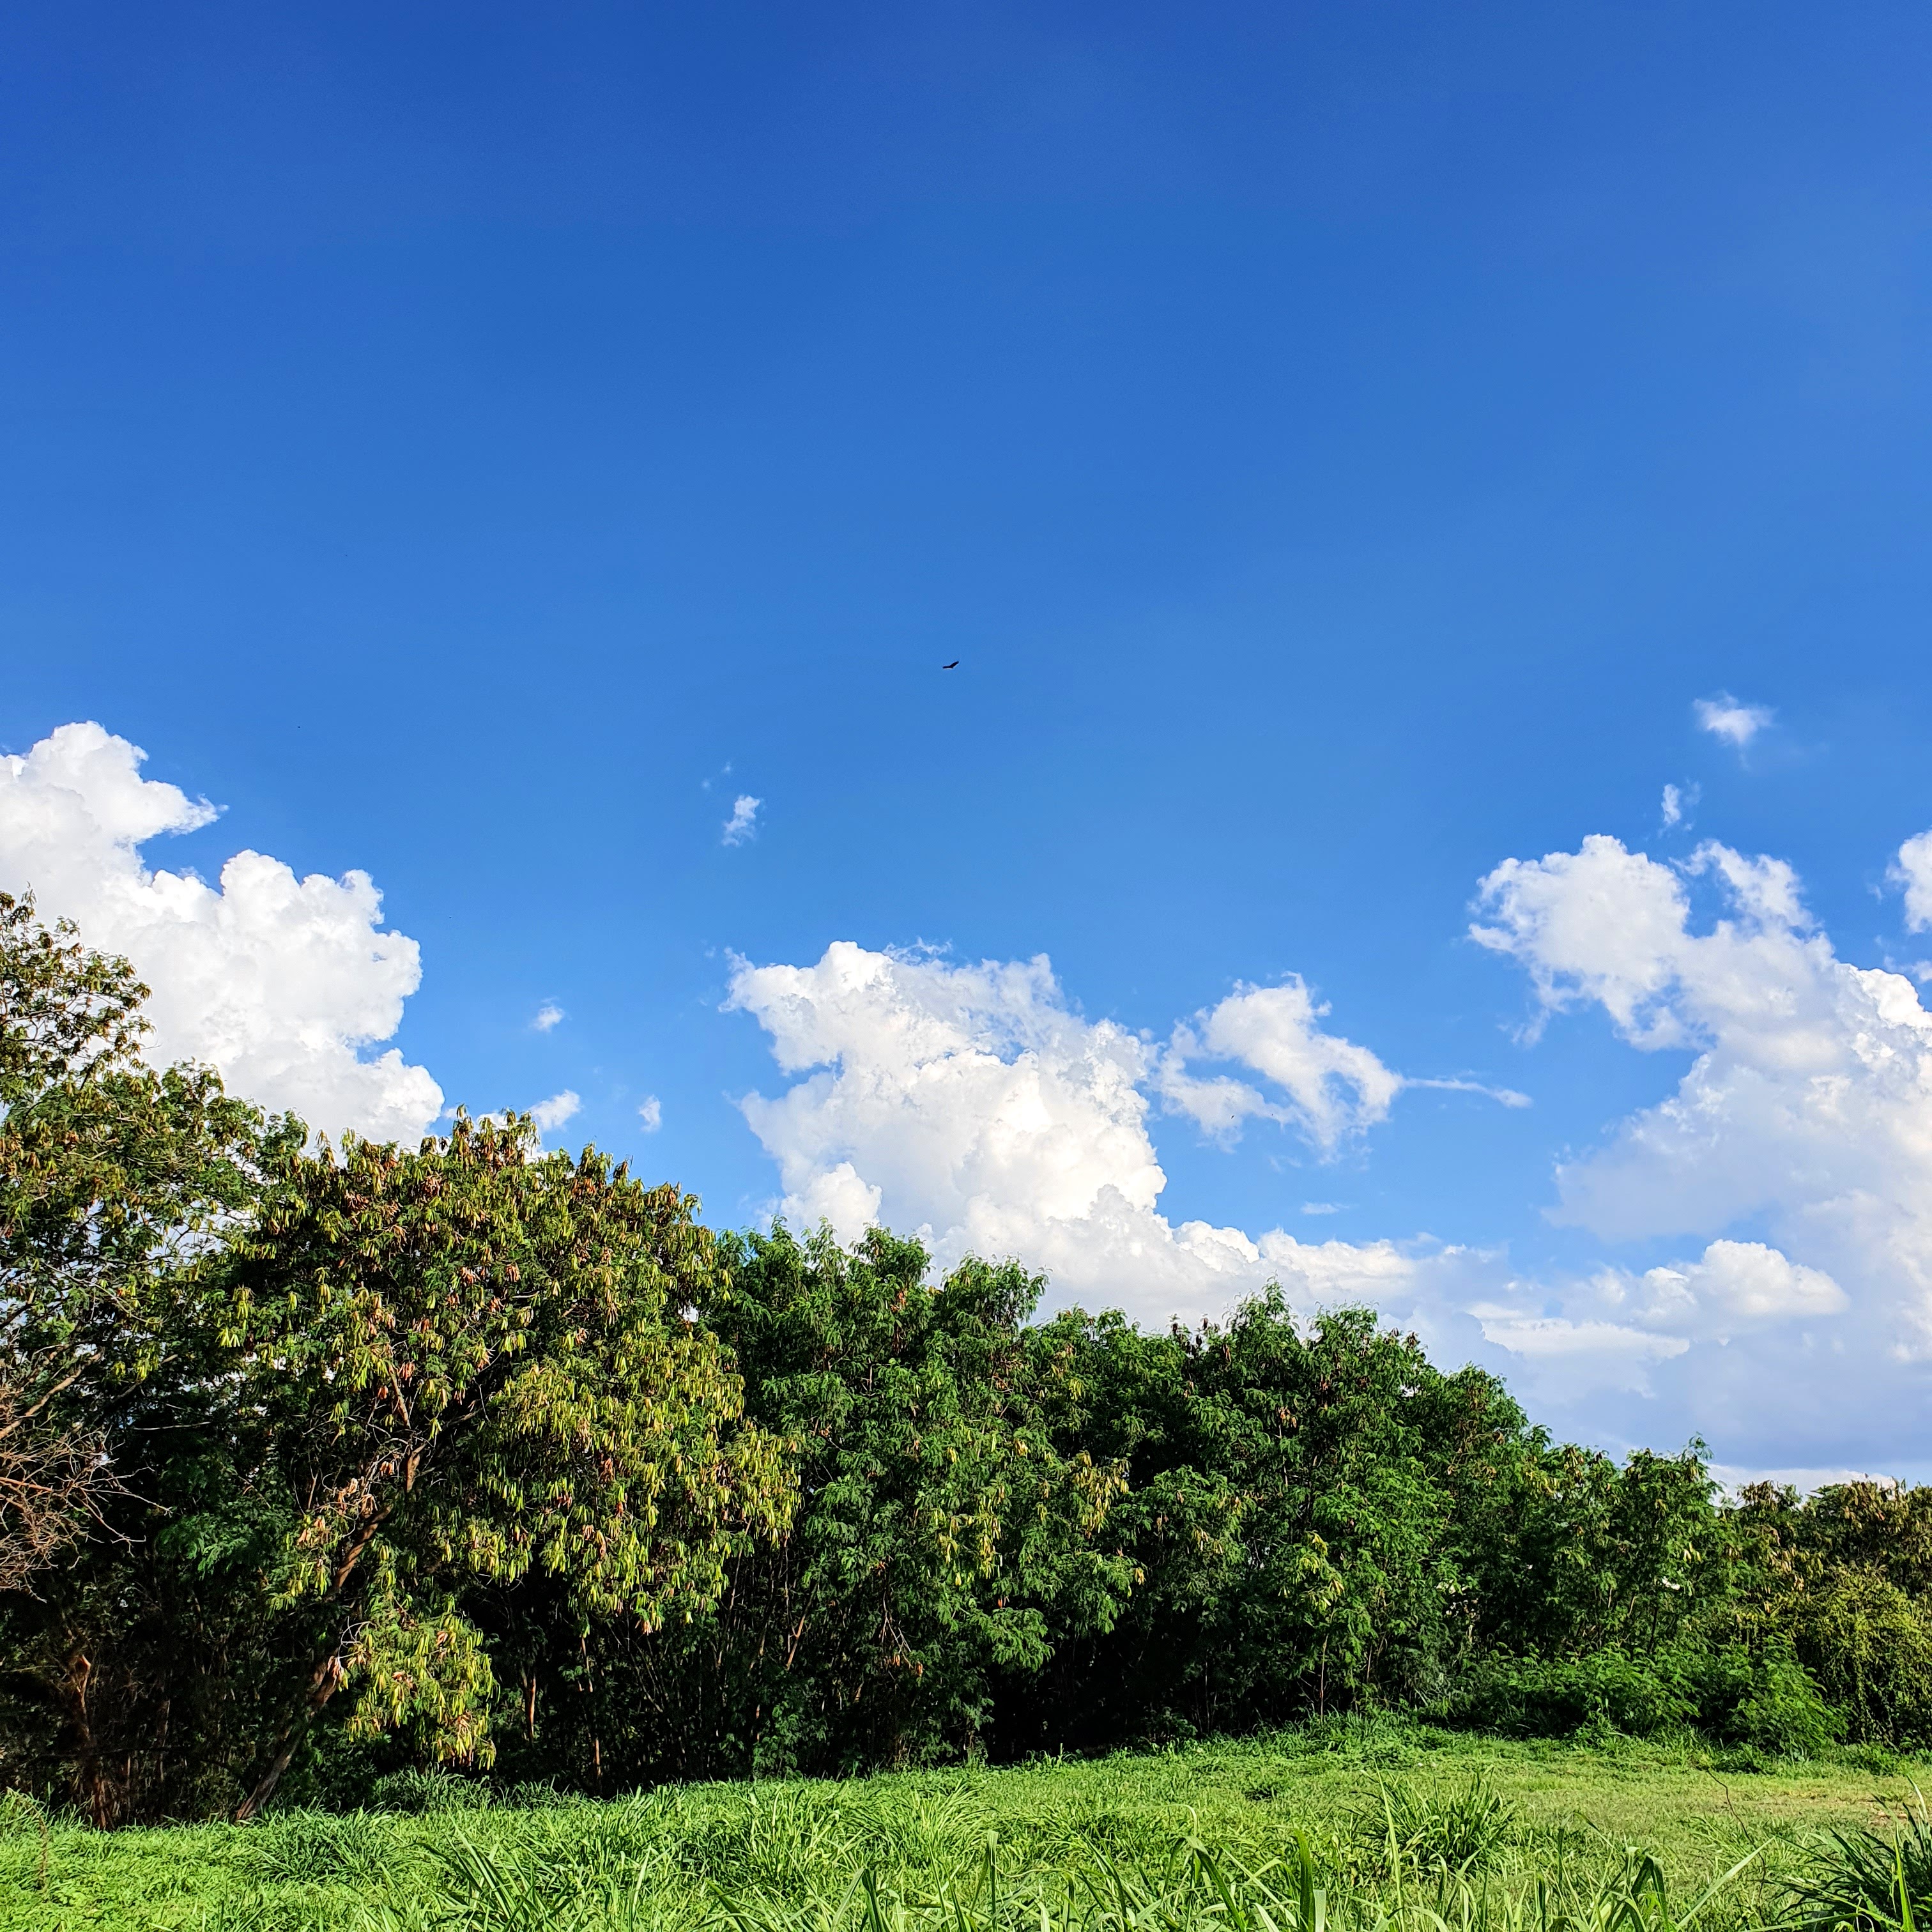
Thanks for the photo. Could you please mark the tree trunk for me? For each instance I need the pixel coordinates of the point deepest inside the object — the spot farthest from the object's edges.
(94, 1781)
(324, 1681)
(323, 1684)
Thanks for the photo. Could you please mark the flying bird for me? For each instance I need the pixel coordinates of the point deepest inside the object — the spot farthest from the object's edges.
(953, 666)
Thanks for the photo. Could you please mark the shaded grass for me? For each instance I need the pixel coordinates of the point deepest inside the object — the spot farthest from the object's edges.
(1397, 1827)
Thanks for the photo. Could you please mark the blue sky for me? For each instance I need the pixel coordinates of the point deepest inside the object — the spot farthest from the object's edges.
(477, 446)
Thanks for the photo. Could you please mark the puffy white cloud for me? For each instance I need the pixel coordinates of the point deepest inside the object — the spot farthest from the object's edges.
(650, 1112)
(969, 1104)
(549, 1115)
(1333, 1090)
(972, 1104)
(743, 823)
(1742, 1344)
(1724, 716)
(548, 1016)
(278, 982)
(1734, 1288)
(1807, 1106)
(1748, 1281)
(1912, 869)
(1334, 1087)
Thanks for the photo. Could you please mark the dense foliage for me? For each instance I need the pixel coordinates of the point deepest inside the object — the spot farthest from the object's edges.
(318, 1464)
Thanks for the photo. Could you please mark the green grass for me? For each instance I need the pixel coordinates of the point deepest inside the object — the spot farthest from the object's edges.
(1400, 1828)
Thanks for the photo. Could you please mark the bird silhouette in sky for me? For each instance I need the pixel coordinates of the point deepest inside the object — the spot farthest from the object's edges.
(953, 666)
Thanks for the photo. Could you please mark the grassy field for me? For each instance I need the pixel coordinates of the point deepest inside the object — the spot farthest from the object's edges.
(1404, 1828)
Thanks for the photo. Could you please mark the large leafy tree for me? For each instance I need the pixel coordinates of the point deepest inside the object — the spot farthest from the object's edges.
(943, 1538)
(1295, 1512)
(115, 1176)
(475, 1364)
(1843, 1581)
(112, 1173)
(1625, 1557)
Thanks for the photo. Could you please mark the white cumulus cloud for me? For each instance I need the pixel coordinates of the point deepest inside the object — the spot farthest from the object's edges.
(743, 823)
(1737, 723)
(548, 1016)
(1807, 1105)
(1607, 1351)
(1332, 1088)
(971, 1105)
(1912, 870)
(1742, 1341)
(1745, 1280)
(279, 983)
(651, 1112)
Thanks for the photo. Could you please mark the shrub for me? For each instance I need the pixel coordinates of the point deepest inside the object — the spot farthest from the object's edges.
(1524, 1697)
(1870, 1646)
(1782, 1712)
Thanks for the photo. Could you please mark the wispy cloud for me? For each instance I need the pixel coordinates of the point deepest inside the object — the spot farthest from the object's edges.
(1503, 1096)
(547, 1015)
(1731, 719)
(1679, 802)
(743, 823)
(651, 1113)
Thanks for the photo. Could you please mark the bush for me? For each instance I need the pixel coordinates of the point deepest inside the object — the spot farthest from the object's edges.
(1525, 1696)
(1769, 1703)
(1457, 1830)
(1782, 1713)
(1869, 1647)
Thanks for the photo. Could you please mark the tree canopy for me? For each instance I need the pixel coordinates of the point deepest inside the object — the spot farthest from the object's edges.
(320, 1462)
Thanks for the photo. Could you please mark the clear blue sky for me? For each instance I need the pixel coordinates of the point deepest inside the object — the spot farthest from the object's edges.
(1339, 444)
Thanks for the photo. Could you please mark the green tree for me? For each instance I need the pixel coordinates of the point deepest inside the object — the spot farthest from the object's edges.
(473, 1364)
(112, 1172)
(1289, 1510)
(1869, 1645)
(941, 1538)
(114, 1175)
(1629, 1557)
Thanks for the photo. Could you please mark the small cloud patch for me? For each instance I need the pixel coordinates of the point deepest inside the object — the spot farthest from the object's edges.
(1679, 802)
(551, 1114)
(1729, 718)
(743, 825)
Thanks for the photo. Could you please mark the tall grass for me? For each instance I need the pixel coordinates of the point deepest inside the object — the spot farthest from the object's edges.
(1289, 1834)
(1875, 1879)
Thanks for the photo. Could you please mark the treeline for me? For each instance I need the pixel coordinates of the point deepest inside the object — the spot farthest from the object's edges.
(319, 1465)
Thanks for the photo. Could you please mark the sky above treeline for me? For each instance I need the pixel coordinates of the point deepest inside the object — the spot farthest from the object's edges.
(1428, 505)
